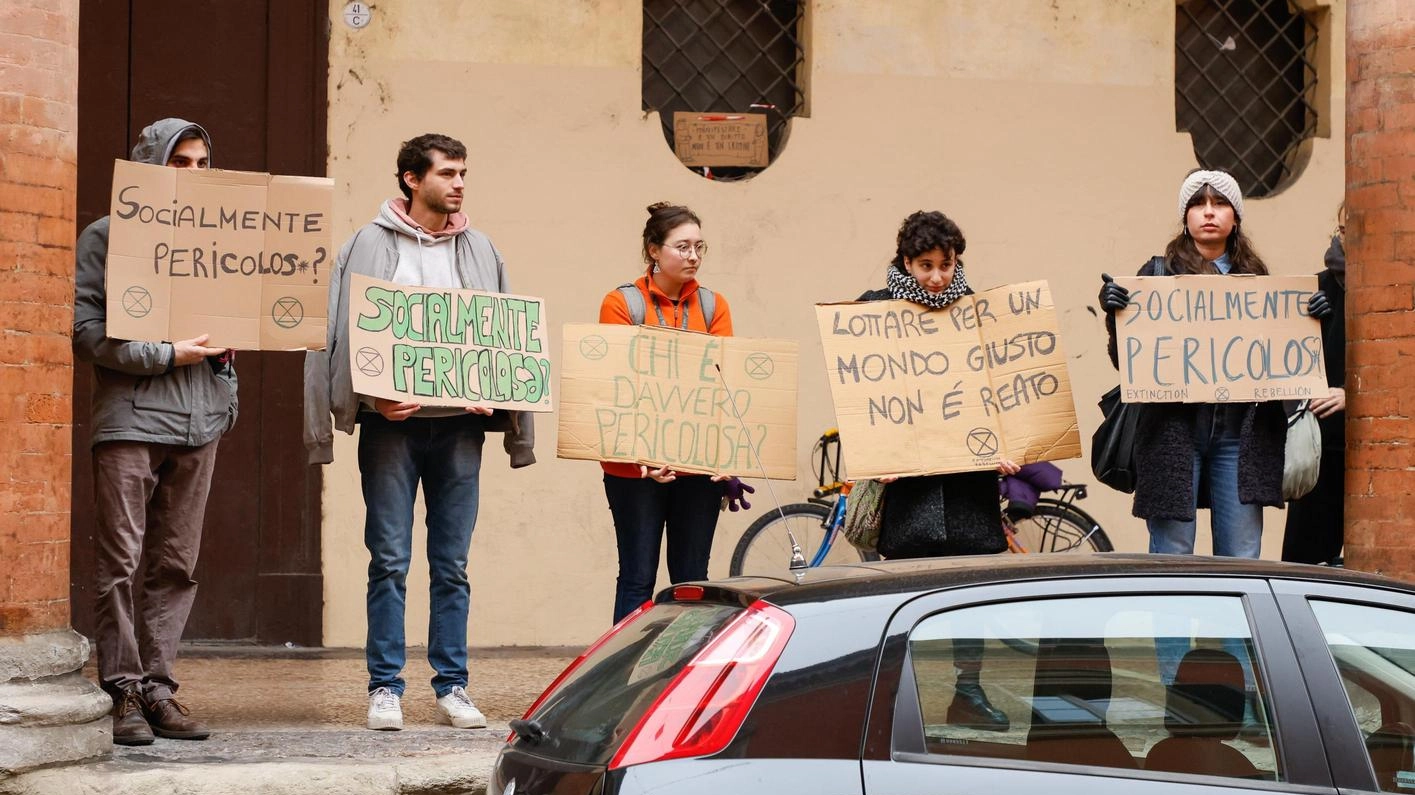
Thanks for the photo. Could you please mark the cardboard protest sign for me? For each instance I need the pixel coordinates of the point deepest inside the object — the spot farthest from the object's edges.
(448, 347)
(720, 139)
(921, 392)
(651, 395)
(1197, 339)
(239, 255)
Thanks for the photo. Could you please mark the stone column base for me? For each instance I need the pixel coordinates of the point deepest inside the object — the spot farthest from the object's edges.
(49, 713)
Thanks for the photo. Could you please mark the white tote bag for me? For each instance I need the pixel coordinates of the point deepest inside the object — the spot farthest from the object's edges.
(1302, 461)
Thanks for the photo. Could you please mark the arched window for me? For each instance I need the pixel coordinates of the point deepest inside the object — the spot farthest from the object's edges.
(724, 58)
(1244, 87)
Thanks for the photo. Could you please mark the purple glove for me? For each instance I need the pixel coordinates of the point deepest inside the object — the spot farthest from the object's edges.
(734, 494)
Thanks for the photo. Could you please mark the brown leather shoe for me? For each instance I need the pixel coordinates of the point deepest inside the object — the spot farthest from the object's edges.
(129, 725)
(170, 719)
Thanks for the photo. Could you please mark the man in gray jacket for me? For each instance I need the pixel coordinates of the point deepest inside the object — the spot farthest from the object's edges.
(159, 410)
(421, 239)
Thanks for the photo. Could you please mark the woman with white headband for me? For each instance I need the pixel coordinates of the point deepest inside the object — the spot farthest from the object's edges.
(1226, 457)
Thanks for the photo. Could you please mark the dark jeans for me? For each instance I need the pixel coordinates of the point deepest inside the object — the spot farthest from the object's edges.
(1237, 527)
(445, 454)
(641, 507)
(148, 497)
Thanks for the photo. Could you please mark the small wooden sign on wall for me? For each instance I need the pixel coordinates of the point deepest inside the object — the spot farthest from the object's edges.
(720, 139)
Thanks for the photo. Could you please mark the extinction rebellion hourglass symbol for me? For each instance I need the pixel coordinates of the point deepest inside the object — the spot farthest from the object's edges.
(369, 361)
(137, 302)
(287, 312)
(982, 442)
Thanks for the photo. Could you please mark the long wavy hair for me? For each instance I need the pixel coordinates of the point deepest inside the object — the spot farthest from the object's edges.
(1182, 256)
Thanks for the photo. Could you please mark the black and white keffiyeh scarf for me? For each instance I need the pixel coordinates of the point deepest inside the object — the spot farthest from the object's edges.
(904, 287)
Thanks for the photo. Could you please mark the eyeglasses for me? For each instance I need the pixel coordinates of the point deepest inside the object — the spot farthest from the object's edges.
(686, 249)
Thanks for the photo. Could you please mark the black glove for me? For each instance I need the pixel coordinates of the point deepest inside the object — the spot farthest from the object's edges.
(734, 494)
(1318, 306)
(1113, 297)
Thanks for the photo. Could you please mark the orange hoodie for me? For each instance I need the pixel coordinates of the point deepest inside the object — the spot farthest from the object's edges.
(614, 310)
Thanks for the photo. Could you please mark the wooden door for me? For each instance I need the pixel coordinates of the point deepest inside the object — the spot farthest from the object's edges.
(253, 74)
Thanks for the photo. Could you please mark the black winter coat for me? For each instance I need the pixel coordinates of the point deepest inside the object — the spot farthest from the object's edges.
(939, 515)
(1164, 452)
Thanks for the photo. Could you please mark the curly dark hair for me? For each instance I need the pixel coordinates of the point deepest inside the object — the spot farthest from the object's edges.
(1182, 256)
(415, 155)
(925, 231)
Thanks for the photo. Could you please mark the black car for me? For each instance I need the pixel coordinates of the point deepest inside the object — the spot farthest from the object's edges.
(1014, 673)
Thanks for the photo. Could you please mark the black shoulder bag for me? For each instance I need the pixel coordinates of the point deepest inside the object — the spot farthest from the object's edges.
(1113, 444)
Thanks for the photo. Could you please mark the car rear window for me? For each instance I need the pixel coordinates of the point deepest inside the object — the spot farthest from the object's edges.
(595, 708)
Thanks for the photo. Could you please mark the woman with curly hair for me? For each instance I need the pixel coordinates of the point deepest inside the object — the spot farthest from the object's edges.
(938, 515)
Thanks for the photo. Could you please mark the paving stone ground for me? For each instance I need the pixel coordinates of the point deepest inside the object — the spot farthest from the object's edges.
(292, 721)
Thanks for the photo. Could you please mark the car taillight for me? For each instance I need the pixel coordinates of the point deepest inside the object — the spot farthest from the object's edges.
(688, 593)
(593, 647)
(703, 707)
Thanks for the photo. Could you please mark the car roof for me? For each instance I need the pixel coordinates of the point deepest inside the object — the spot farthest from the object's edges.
(926, 574)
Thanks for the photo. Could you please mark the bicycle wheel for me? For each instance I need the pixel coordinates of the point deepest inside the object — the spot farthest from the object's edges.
(765, 547)
(1055, 527)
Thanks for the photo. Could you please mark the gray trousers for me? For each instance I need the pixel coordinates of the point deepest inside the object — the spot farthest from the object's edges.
(150, 498)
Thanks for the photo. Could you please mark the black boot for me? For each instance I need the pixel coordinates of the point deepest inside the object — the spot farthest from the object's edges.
(971, 708)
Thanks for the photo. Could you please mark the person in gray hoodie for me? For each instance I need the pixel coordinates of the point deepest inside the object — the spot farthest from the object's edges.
(159, 410)
(421, 239)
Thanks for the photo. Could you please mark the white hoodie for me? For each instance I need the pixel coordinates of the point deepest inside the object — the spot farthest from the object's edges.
(424, 260)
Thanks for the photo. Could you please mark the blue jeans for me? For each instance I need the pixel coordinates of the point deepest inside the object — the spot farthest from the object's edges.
(641, 508)
(1237, 528)
(445, 454)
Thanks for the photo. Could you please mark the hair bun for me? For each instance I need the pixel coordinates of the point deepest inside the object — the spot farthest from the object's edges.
(658, 207)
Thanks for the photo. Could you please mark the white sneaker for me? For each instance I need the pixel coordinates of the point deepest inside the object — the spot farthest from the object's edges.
(385, 710)
(457, 706)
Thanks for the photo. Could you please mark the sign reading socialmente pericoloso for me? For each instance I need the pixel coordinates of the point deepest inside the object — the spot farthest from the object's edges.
(448, 347)
(698, 403)
(241, 256)
(958, 389)
(1201, 339)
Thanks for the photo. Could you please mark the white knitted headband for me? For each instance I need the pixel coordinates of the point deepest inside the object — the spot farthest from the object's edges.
(1221, 181)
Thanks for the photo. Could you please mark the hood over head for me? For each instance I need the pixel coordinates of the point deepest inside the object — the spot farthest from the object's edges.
(157, 140)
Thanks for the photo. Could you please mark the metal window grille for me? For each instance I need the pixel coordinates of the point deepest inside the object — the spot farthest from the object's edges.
(728, 56)
(1245, 82)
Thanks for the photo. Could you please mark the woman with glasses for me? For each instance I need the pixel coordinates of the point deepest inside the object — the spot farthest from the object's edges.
(939, 515)
(645, 501)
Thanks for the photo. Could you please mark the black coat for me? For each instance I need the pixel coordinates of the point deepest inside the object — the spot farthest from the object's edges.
(1164, 451)
(1334, 356)
(1315, 523)
(938, 515)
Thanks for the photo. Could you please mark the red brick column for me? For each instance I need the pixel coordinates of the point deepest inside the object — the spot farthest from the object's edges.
(38, 123)
(51, 713)
(1380, 250)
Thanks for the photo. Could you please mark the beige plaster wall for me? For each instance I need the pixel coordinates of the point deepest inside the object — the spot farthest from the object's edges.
(1046, 129)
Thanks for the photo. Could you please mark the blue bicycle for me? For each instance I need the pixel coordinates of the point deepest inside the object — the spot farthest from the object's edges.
(1054, 525)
